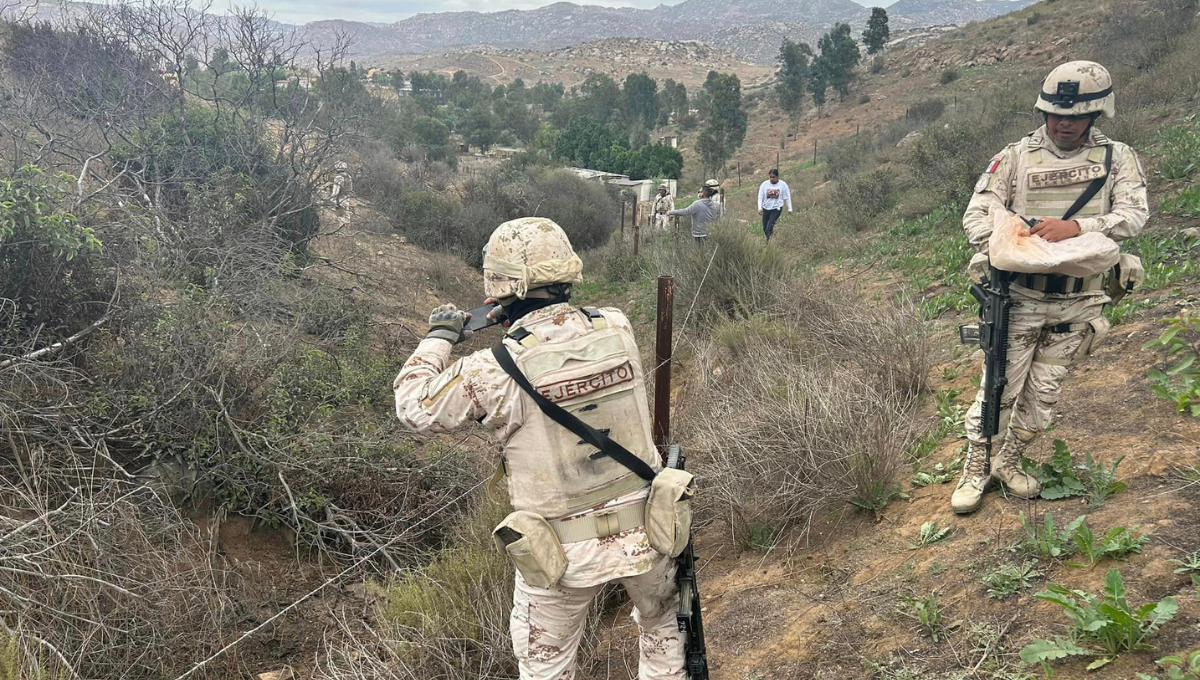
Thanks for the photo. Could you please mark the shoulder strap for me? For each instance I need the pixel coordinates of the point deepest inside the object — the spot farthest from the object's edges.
(563, 417)
(1093, 188)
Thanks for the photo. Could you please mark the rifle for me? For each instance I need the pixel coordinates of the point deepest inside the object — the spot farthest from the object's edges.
(991, 334)
(688, 616)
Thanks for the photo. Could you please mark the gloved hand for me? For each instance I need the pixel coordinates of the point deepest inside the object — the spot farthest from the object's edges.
(446, 322)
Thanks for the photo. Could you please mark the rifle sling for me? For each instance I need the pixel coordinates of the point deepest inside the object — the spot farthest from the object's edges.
(568, 420)
(1093, 188)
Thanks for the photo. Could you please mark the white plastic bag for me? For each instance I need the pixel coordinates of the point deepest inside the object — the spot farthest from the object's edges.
(1012, 249)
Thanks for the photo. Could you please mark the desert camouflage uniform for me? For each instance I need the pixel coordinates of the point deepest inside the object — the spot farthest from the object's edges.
(1038, 360)
(547, 623)
(662, 206)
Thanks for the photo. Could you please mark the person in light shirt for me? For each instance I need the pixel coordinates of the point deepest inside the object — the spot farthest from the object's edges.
(773, 194)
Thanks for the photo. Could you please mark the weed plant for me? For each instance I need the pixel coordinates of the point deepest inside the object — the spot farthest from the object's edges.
(1189, 564)
(927, 613)
(1009, 579)
(1179, 384)
(929, 533)
(1107, 623)
(1178, 667)
(1063, 478)
(1117, 543)
(1047, 541)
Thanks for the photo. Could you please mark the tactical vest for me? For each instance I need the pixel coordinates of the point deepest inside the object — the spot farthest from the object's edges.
(598, 378)
(1047, 185)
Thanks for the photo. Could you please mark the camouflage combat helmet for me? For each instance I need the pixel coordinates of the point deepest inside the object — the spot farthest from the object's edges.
(712, 183)
(1077, 88)
(528, 253)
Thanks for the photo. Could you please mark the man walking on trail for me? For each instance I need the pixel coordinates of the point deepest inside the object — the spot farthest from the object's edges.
(1055, 321)
(704, 211)
(580, 515)
(773, 194)
(663, 204)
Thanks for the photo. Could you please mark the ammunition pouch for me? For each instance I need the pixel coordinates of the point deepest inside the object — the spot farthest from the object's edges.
(1124, 277)
(669, 511)
(533, 547)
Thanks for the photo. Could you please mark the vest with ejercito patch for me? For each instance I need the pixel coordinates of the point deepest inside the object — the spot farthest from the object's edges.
(1047, 186)
(598, 378)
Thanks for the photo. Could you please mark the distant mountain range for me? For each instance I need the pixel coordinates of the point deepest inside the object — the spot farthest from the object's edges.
(750, 29)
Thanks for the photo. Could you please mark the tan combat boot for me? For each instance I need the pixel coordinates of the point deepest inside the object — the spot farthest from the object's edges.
(1007, 466)
(968, 496)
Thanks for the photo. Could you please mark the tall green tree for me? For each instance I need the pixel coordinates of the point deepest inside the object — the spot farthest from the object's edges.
(726, 126)
(599, 96)
(641, 99)
(586, 141)
(839, 57)
(480, 127)
(875, 36)
(818, 82)
(793, 77)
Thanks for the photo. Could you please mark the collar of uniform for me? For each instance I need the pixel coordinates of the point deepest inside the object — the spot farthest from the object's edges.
(1040, 139)
(542, 314)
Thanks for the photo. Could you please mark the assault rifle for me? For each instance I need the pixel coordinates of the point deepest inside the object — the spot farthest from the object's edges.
(688, 617)
(991, 334)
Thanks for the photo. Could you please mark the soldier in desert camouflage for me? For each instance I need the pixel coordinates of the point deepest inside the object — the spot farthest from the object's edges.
(1056, 321)
(587, 361)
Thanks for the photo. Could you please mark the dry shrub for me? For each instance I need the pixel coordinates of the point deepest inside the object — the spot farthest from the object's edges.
(1142, 34)
(863, 198)
(449, 618)
(101, 578)
(800, 410)
(734, 274)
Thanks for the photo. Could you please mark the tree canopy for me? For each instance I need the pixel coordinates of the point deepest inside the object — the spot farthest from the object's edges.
(793, 77)
(875, 36)
(726, 127)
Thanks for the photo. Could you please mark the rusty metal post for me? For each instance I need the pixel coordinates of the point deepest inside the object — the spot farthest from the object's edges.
(622, 219)
(637, 225)
(662, 364)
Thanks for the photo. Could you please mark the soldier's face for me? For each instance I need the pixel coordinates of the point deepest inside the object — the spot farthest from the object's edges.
(1067, 131)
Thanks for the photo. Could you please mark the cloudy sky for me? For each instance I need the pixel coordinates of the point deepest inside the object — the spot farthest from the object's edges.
(387, 11)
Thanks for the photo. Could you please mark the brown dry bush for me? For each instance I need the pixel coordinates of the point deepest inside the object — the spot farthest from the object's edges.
(816, 408)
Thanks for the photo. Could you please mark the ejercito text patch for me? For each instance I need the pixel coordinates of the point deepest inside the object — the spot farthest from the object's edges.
(585, 385)
(1065, 176)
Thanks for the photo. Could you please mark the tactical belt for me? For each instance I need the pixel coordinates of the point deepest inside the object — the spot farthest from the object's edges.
(1057, 284)
(601, 524)
(1066, 327)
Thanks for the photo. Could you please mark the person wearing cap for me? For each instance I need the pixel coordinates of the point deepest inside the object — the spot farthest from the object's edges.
(716, 197)
(773, 194)
(1055, 321)
(580, 517)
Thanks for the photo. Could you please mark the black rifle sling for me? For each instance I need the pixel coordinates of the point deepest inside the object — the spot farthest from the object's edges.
(568, 420)
(1092, 188)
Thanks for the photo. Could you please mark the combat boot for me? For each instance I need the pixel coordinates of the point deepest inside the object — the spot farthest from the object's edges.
(1007, 466)
(968, 496)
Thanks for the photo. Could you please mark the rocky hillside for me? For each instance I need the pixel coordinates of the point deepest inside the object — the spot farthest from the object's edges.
(686, 61)
(750, 30)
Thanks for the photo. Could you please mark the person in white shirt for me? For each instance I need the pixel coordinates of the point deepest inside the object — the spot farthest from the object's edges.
(772, 195)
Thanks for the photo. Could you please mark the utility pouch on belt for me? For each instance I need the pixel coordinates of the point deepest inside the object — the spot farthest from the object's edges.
(533, 547)
(1125, 276)
(669, 511)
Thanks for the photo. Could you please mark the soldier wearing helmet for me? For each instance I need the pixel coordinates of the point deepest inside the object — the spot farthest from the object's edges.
(1056, 321)
(579, 519)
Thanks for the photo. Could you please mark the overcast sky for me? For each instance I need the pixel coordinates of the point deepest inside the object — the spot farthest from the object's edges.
(387, 11)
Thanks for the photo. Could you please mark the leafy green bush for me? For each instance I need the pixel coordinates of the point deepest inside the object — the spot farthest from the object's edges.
(1180, 667)
(926, 111)
(1179, 384)
(44, 265)
(1180, 151)
(1185, 202)
(1063, 478)
(863, 198)
(1107, 621)
(948, 75)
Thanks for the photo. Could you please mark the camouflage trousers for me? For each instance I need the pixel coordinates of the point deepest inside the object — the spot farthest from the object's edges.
(547, 625)
(662, 222)
(1040, 359)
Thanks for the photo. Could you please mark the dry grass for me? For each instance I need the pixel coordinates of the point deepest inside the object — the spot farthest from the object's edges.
(803, 408)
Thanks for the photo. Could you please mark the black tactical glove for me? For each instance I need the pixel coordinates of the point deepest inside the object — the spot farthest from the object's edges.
(446, 322)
